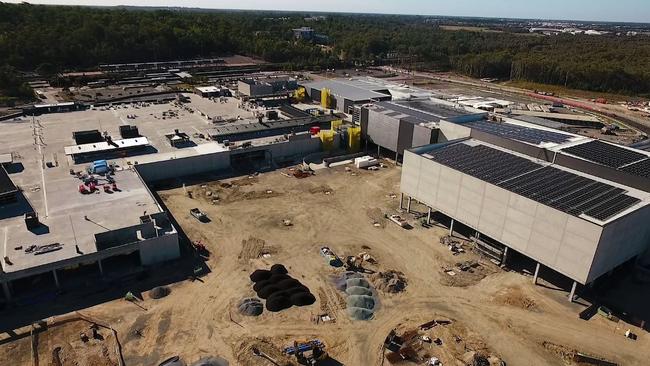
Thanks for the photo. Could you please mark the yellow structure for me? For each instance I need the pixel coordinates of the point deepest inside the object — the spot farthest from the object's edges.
(327, 138)
(299, 95)
(326, 98)
(336, 124)
(354, 139)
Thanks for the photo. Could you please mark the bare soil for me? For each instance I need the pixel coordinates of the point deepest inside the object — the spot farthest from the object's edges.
(493, 312)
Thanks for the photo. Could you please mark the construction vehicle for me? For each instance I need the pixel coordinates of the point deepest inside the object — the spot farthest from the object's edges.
(199, 215)
(308, 353)
(398, 220)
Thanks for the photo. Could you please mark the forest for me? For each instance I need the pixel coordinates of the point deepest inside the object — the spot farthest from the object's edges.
(51, 39)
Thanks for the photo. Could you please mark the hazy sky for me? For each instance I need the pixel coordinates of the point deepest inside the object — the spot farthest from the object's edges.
(617, 10)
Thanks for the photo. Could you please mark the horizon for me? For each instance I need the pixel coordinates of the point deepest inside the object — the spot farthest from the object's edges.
(368, 7)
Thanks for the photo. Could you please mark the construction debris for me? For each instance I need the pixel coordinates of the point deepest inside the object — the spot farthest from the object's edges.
(159, 292)
(390, 281)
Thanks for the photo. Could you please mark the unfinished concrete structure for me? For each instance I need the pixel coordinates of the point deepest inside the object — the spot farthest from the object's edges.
(52, 230)
(400, 125)
(515, 187)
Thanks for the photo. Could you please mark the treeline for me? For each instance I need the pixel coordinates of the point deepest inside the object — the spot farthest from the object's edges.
(51, 39)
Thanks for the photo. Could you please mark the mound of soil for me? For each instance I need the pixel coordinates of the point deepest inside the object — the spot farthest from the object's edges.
(278, 268)
(211, 361)
(391, 281)
(303, 299)
(159, 292)
(251, 307)
(278, 303)
(280, 290)
(260, 275)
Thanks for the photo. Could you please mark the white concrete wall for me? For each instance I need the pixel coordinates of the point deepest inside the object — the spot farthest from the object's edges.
(451, 131)
(558, 240)
(160, 249)
(199, 164)
(622, 239)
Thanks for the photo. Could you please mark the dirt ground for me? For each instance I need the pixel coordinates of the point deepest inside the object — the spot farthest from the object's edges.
(58, 342)
(494, 312)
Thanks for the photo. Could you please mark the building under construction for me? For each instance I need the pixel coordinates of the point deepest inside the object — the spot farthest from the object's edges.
(572, 204)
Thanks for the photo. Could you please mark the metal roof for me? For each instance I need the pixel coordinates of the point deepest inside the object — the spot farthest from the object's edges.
(354, 90)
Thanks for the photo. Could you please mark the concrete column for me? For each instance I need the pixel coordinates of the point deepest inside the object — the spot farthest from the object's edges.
(401, 201)
(451, 228)
(573, 291)
(56, 279)
(429, 217)
(6, 290)
(378, 151)
(536, 273)
(396, 158)
(408, 205)
(504, 259)
(101, 267)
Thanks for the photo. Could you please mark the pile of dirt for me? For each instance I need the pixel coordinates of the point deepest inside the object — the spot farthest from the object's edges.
(211, 361)
(251, 307)
(391, 281)
(514, 296)
(280, 290)
(361, 301)
(159, 292)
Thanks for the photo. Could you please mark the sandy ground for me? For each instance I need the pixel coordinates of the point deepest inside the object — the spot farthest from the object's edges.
(494, 312)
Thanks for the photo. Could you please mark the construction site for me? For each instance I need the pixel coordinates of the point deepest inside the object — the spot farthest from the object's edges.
(271, 219)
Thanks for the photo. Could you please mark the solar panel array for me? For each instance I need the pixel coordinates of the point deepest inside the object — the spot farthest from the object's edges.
(485, 163)
(641, 168)
(605, 154)
(520, 133)
(562, 190)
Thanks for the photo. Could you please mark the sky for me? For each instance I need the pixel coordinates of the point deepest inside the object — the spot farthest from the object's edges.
(597, 10)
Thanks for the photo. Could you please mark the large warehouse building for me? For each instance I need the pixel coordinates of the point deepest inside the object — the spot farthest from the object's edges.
(575, 205)
(348, 93)
(396, 126)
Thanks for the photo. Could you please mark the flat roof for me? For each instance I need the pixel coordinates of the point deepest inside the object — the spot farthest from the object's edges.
(105, 146)
(559, 116)
(526, 132)
(208, 89)
(592, 198)
(74, 219)
(355, 90)
(268, 126)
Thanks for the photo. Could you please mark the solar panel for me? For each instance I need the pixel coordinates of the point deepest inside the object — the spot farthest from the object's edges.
(482, 162)
(560, 189)
(641, 168)
(520, 133)
(605, 154)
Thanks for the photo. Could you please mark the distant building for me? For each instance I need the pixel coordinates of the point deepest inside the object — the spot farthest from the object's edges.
(268, 86)
(304, 33)
(308, 34)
